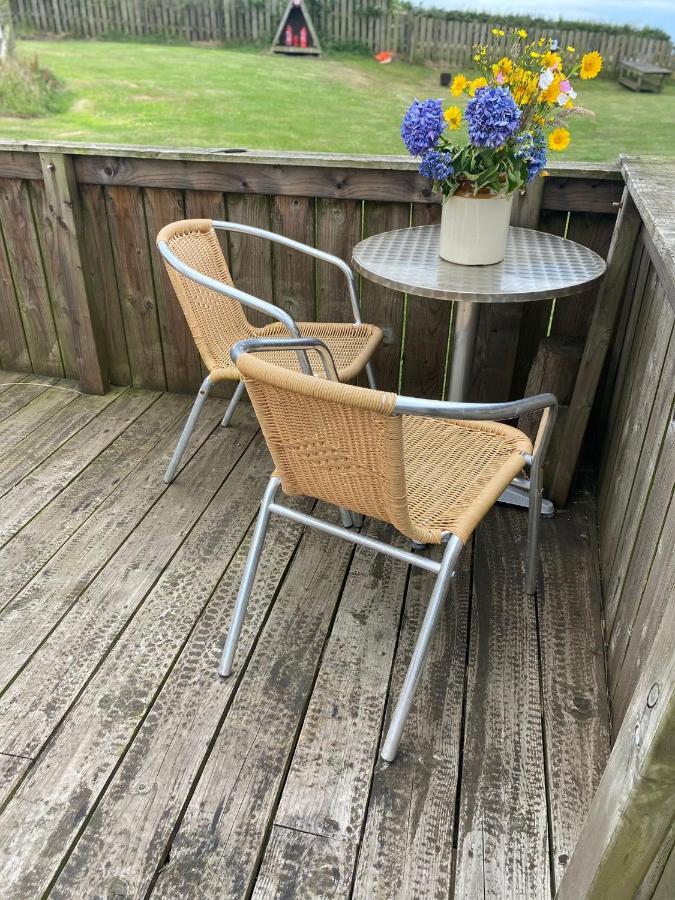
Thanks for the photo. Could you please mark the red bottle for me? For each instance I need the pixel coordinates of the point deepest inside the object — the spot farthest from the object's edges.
(289, 36)
(304, 35)
(296, 40)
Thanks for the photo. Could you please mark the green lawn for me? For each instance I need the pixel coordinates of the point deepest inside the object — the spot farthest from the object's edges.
(206, 96)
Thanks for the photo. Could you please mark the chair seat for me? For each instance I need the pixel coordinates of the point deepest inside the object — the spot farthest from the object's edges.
(350, 345)
(455, 471)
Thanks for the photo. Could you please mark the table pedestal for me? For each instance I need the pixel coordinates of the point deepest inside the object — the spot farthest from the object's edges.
(463, 354)
(463, 347)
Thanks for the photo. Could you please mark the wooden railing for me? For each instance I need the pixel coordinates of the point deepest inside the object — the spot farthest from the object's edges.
(626, 847)
(366, 23)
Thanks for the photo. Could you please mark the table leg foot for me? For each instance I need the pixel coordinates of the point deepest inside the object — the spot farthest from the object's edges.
(517, 495)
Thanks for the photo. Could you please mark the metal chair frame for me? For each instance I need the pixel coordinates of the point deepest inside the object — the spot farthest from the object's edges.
(269, 309)
(445, 569)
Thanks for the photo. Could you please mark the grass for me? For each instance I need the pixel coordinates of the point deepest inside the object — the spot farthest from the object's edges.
(28, 90)
(153, 94)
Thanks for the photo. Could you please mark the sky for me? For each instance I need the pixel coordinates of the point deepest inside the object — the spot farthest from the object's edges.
(657, 13)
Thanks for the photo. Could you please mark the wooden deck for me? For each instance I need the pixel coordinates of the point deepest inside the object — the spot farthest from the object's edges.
(128, 768)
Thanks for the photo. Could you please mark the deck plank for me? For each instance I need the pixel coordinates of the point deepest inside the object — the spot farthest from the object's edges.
(407, 845)
(327, 788)
(97, 730)
(50, 682)
(37, 447)
(126, 838)
(39, 410)
(142, 444)
(16, 396)
(215, 851)
(502, 855)
(576, 710)
(25, 500)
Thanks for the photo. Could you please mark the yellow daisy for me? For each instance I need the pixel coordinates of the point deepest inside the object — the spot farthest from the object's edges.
(591, 64)
(522, 33)
(559, 139)
(552, 92)
(571, 50)
(476, 84)
(551, 60)
(453, 116)
(534, 54)
(506, 65)
(459, 84)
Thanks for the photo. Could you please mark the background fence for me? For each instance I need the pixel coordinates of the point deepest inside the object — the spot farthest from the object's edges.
(368, 24)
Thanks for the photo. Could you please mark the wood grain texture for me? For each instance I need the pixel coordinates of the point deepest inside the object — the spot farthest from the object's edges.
(100, 263)
(407, 845)
(231, 807)
(575, 706)
(427, 331)
(61, 232)
(131, 830)
(328, 784)
(595, 352)
(28, 276)
(181, 360)
(380, 305)
(34, 449)
(338, 229)
(133, 672)
(250, 258)
(14, 353)
(45, 404)
(78, 509)
(634, 806)
(294, 272)
(503, 749)
(131, 250)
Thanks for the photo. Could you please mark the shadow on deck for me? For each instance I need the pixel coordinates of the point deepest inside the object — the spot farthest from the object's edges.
(128, 768)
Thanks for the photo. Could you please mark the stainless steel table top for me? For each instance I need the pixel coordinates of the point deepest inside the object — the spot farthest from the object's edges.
(537, 266)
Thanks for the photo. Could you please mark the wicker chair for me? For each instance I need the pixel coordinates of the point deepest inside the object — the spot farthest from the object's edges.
(430, 468)
(215, 314)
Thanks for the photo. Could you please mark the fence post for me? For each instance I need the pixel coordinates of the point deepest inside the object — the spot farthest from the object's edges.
(63, 210)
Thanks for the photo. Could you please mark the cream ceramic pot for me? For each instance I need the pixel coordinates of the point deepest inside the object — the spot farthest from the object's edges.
(474, 229)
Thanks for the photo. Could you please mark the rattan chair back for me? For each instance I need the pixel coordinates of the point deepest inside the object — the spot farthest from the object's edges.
(336, 442)
(216, 322)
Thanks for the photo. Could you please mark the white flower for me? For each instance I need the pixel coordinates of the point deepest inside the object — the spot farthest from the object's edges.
(546, 79)
(572, 94)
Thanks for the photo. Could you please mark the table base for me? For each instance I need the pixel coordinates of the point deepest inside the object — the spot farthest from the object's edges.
(519, 495)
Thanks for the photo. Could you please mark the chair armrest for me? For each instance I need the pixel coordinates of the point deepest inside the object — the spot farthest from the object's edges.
(260, 345)
(275, 312)
(301, 248)
(443, 409)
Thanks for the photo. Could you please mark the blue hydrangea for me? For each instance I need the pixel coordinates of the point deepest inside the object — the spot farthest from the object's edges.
(493, 117)
(437, 164)
(532, 148)
(422, 126)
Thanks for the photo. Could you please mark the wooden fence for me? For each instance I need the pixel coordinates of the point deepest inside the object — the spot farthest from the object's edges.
(626, 848)
(366, 23)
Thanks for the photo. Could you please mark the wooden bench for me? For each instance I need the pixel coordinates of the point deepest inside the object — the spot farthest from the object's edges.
(642, 76)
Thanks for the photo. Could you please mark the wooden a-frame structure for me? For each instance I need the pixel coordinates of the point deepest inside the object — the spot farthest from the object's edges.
(289, 37)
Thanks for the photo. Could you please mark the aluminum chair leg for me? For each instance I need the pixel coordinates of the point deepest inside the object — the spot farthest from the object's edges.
(371, 376)
(186, 434)
(234, 402)
(533, 529)
(227, 658)
(450, 557)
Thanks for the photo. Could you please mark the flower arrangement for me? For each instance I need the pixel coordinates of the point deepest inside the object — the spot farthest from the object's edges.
(518, 109)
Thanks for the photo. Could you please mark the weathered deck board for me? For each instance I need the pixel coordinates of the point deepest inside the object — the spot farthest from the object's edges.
(127, 766)
(498, 855)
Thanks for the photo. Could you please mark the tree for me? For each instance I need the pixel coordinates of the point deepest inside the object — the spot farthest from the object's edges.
(6, 31)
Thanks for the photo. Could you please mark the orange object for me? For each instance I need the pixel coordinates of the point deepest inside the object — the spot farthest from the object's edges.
(385, 56)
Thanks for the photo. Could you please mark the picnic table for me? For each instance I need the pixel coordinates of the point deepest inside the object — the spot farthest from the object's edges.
(642, 76)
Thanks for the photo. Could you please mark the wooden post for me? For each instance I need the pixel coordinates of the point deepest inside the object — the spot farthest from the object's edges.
(597, 344)
(633, 808)
(63, 208)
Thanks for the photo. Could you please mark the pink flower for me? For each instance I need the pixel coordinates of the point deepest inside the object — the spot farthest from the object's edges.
(500, 78)
(565, 86)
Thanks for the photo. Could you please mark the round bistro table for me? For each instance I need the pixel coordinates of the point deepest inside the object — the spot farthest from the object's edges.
(537, 266)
